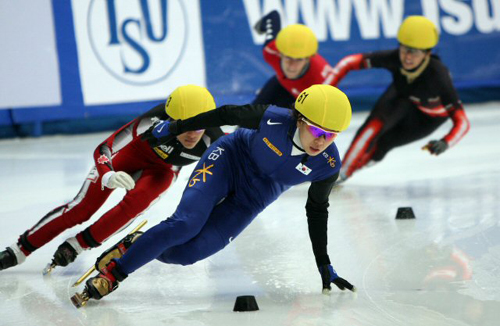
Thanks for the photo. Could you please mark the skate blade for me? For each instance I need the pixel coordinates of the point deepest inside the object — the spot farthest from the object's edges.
(84, 276)
(79, 300)
(48, 269)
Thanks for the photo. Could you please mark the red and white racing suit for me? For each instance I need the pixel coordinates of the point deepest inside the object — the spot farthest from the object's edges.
(154, 170)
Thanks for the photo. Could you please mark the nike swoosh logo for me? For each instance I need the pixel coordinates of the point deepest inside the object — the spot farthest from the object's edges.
(269, 122)
(159, 130)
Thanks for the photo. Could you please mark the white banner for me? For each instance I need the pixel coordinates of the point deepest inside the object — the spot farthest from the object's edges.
(29, 72)
(137, 50)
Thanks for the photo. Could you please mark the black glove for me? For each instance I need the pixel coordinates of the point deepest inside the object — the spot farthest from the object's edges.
(329, 275)
(260, 26)
(158, 134)
(436, 147)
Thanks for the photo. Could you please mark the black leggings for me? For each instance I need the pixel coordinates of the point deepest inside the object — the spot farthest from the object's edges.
(403, 123)
(394, 121)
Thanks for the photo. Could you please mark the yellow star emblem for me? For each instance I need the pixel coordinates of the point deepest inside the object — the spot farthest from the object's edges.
(203, 172)
(332, 161)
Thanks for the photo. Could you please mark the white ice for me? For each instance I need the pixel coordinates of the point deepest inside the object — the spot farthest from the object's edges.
(443, 268)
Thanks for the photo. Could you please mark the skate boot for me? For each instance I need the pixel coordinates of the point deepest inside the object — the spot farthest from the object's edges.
(65, 254)
(7, 259)
(97, 287)
(117, 251)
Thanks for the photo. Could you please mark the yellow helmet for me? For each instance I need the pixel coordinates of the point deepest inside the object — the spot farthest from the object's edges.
(326, 106)
(297, 41)
(187, 101)
(418, 32)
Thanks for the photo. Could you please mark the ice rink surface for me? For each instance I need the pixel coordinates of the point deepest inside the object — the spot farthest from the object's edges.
(443, 268)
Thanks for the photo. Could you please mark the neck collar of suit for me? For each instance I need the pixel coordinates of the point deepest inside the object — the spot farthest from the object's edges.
(413, 74)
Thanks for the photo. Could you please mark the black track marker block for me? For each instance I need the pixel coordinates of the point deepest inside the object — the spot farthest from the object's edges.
(405, 213)
(246, 303)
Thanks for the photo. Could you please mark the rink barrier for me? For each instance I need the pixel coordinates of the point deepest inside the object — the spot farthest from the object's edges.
(231, 56)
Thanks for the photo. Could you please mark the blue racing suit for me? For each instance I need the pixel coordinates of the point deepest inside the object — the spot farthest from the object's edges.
(238, 177)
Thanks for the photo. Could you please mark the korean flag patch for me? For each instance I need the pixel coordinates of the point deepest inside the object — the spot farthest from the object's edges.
(303, 169)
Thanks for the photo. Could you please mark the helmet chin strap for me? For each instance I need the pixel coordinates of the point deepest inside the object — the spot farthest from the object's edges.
(413, 74)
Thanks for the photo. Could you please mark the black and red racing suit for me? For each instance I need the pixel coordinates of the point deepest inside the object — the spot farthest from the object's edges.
(407, 111)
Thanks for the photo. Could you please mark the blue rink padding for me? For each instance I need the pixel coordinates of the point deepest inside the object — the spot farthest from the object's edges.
(235, 70)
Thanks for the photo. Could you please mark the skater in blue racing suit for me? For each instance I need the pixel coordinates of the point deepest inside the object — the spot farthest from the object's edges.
(239, 176)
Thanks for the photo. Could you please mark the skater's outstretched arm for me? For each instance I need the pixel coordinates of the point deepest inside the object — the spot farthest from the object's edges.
(317, 219)
(246, 116)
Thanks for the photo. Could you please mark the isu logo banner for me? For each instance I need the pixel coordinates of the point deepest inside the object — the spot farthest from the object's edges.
(133, 50)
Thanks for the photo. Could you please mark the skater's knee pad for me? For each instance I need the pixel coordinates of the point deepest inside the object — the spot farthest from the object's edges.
(88, 239)
(25, 245)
